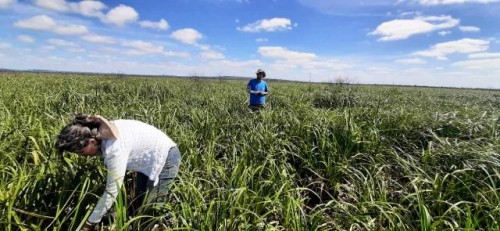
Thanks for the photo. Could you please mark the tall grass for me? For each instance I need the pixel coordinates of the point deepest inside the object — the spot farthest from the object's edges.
(331, 158)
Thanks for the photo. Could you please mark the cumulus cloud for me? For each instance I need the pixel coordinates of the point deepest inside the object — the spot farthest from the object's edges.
(469, 29)
(90, 8)
(40, 22)
(285, 59)
(4, 4)
(98, 39)
(187, 35)
(119, 15)
(462, 46)
(25, 39)
(284, 53)
(404, 28)
(448, 2)
(161, 25)
(122, 15)
(46, 23)
(270, 25)
(261, 40)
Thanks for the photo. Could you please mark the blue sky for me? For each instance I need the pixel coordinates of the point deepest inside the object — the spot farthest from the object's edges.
(452, 43)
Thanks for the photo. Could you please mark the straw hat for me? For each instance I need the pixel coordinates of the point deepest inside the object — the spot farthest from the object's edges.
(261, 71)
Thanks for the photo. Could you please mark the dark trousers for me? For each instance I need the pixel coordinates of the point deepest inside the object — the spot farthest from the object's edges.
(256, 107)
(144, 186)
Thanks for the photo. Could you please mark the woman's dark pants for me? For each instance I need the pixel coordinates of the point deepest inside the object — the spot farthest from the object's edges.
(157, 194)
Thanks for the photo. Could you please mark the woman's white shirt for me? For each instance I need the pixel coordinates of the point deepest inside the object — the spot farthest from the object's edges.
(140, 148)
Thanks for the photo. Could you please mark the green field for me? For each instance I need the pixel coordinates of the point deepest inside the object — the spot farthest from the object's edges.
(320, 157)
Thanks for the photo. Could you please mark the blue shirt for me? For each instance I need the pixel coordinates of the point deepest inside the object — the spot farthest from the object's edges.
(257, 85)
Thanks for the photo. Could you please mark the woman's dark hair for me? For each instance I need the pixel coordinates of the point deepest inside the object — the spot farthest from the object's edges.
(76, 135)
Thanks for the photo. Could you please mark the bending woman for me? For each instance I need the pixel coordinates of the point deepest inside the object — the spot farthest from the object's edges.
(125, 145)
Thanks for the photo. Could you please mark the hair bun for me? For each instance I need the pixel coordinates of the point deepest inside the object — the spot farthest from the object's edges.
(86, 120)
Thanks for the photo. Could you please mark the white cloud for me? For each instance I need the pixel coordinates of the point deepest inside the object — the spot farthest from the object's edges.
(187, 35)
(411, 61)
(61, 42)
(448, 2)
(40, 22)
(469, 29)
(204, 47)
(484, 55)
(89, 8)
(4, 4)
(444, 32)
(404, 28)
(283, 53)
(410, 14)
(462, 46)
(261, 40)
(4, 45)
(211, 55)
(270, 25)
(479, 64)
(141, 48)
(58, 5)
(70, 29)
(25, 39)
(98, 39)
(177, 54)
(46, 23)
(121, 15)
(293, 60)
(161, 25)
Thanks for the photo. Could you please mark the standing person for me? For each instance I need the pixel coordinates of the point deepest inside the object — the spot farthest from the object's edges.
(125, 145)
(258, 90)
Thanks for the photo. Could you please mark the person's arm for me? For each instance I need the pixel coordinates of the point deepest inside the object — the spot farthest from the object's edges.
(116, 165)
(266, 91)
(249, 90)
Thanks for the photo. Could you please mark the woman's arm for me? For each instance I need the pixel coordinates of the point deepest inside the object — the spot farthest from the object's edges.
(116, 165)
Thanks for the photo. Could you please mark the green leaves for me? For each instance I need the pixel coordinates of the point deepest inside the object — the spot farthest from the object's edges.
(319, 157)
